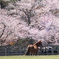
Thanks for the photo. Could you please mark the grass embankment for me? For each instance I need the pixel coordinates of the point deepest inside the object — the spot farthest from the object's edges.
(31, 57)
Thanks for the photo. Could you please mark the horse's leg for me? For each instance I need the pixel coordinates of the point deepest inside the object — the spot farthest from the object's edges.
(31, 53)
(27, 52)
(36, 53)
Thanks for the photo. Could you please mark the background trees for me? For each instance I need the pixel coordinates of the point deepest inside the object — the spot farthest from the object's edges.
(25, 19)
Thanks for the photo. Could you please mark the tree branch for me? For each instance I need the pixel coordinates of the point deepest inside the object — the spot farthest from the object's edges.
(3, 30)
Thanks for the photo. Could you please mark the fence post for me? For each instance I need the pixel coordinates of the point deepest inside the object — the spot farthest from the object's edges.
(5, 51)
(52, 50)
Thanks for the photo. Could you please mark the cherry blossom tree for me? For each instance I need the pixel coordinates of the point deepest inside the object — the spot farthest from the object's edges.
(26, 19)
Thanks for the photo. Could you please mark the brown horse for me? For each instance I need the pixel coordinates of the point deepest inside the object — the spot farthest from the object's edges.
(33, 49)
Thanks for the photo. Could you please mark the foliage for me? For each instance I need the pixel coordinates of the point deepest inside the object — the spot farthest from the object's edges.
(13, 1)
(22, 40)
(3, 3)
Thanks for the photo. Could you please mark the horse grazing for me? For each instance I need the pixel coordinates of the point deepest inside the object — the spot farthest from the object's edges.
(33, 49)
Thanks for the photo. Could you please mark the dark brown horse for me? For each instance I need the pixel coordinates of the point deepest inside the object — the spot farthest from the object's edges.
(33, 49)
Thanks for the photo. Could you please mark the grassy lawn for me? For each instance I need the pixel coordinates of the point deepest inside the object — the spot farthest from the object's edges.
(31, 57)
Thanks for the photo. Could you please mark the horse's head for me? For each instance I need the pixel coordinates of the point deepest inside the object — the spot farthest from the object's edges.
(39, 43)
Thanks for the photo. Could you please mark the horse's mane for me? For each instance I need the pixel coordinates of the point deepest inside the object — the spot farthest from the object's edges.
(39, 43)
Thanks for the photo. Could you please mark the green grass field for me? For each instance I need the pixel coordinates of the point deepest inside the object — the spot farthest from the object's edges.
(31, 57)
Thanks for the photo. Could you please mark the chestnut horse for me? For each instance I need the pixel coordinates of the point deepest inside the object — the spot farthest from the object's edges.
(33, 49)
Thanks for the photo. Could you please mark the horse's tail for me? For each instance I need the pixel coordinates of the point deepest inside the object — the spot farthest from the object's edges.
(28, 51)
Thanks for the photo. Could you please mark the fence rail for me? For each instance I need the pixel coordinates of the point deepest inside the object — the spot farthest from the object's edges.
(49, 50)
(43, 50)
